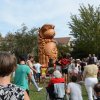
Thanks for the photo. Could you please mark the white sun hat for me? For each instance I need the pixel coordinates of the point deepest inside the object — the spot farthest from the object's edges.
(57, 74)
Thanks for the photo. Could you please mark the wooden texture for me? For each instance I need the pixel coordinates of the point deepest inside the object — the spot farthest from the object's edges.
(47, 44)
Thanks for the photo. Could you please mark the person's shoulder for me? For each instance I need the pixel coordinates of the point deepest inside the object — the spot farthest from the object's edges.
(18, 64)
(39, 64)
(13, 91)
(87, 66)
(35, 64)
(27, 66)
(70, 83)
(93, 65)
(73, 83)
(15, 87)
(28, 62)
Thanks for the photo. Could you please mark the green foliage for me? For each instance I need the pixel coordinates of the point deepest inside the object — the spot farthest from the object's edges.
(23, 41)
(42, 94)
(62, 49)
(86, 30)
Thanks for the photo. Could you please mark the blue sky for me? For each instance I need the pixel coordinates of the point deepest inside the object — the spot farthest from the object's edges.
(35, 13)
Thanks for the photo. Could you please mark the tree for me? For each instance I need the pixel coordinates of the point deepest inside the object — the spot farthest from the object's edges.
(10, 42)
(25, 40)
(3, 44)
(63, 49)
(85, 28)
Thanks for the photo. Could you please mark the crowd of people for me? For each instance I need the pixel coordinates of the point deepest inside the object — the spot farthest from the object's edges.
(78, 72)
(71, 72)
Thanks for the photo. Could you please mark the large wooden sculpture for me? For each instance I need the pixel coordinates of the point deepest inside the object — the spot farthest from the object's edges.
(46, 44)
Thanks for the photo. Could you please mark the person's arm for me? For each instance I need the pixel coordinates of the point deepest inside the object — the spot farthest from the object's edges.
(26, 97)
(31, 66)
(30, 76)
(68, 91)
(34, 69)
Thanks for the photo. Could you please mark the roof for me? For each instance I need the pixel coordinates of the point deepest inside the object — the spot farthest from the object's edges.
(62, 40)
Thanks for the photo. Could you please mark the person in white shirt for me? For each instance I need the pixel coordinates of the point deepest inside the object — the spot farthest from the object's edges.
(37, 67)
(71, 66)
(74, 89)
(75, 69)
(95, 59)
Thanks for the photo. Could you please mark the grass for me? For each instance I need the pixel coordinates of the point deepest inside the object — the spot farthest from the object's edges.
(34, 95)
(84, 93)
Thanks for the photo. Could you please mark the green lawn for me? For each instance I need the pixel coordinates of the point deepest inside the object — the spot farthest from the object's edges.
(85, 97)
(34, 95)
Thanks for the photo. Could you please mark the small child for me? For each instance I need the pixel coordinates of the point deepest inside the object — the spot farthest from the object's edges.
(38, 66)
(43, 73)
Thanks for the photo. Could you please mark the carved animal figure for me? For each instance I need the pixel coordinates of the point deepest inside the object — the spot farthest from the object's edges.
(46, 44)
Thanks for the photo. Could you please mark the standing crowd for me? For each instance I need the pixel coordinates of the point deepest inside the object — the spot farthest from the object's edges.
(75, 73)
(66, 76)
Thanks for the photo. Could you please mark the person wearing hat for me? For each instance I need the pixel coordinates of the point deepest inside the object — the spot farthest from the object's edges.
(57, 78)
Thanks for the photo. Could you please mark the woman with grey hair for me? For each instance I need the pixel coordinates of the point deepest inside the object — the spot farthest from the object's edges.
(57, 78)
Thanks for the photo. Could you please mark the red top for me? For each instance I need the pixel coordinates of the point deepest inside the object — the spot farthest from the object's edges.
(64, 61)
(56, 80)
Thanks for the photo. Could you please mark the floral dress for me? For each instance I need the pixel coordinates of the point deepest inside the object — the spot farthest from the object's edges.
(11, 92)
